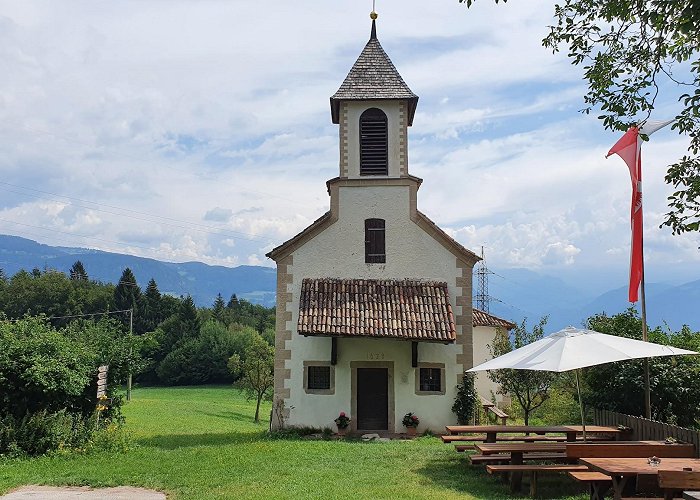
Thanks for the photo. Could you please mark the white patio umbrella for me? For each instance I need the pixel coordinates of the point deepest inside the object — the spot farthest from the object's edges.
(575, 348)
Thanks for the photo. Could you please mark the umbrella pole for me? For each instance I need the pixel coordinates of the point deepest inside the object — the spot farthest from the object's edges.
(580, 404)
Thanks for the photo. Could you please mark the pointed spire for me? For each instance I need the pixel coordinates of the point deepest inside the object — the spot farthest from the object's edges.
(373, 76)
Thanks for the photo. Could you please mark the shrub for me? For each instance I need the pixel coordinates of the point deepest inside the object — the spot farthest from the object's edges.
(40, 432)
(466, 400)
(48, 383)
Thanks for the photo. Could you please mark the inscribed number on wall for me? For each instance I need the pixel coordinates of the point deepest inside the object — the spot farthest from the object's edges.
(375, 356)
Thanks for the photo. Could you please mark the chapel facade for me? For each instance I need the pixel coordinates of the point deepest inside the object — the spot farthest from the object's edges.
(374, 300)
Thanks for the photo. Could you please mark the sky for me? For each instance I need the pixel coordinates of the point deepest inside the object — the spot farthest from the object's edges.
(201, 131)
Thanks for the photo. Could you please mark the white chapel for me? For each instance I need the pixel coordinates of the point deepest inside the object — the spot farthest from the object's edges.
(374, 300)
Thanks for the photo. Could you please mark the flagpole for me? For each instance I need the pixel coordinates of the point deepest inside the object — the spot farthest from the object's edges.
(628, 147)
(645, 337)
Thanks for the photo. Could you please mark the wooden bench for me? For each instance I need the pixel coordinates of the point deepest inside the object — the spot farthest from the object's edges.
(598, 483)
(505, 457)
(533, 470)
(675, 481)
(482, 438)
(490, 407)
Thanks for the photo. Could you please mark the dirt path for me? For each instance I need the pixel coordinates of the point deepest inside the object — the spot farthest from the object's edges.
(82, 493)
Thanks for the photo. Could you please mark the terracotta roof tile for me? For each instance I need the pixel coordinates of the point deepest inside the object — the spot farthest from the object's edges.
(481, 318)
(406, 309)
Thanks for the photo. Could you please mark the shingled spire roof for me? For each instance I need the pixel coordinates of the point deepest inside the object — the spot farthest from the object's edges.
(373, 76)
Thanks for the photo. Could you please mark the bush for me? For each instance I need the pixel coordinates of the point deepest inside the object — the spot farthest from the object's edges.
(48, 383)
(466, 401)
(675, 380)
(40, 432)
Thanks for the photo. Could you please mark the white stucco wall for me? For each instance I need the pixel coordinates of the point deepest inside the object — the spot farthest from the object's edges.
(483, 337)
(338, 252)
(392, 111)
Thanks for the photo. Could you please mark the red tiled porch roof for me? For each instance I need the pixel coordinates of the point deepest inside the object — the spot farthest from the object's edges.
(399, 309)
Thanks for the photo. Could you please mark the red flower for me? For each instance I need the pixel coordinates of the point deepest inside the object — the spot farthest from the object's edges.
(342, 413)
(413, 417)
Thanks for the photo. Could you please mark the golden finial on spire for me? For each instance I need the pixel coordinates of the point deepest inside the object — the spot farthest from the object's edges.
(373, 15)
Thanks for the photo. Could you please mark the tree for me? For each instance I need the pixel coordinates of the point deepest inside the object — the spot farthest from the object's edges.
(152, 315)
(189, 321)
(127, 295)
(255, 371)
(78, 272)
(675, 381)
(219, 309)
(465, 402)
(529, 387)
(630, 50)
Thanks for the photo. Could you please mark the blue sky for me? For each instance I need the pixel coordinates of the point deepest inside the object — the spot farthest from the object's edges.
(201, 131)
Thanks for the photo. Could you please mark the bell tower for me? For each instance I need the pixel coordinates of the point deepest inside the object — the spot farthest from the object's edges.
(374, 108)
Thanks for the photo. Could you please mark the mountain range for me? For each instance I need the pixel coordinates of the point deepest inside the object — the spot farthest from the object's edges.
(516, 293)
(203, 282)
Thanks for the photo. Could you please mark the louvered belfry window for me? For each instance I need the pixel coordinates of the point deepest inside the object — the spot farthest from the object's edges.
(375, 247)
(374, 149)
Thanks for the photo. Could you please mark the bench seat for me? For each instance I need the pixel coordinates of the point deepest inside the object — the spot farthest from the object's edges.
(481, 438)
(533, 470)
(598, 483)
(505, 457)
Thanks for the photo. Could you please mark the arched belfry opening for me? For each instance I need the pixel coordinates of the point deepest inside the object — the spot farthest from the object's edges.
(374, 147)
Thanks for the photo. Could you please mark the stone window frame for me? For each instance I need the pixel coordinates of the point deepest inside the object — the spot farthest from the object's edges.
(323, 392)
(374, 143)
(375, 241)
(442, 391)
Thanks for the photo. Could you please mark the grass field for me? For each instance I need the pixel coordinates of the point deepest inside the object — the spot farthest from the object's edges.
(196, 443)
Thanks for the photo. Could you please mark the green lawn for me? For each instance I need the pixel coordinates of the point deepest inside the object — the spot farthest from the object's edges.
(202, 443)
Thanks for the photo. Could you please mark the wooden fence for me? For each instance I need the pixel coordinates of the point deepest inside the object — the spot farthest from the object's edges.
(645, 429)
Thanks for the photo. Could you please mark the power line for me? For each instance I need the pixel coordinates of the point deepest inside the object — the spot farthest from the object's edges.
(75, 315)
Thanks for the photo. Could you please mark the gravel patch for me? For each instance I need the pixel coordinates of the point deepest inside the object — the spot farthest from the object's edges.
(82, 493)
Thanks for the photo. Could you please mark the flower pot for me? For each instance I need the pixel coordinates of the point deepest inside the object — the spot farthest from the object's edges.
(411, 431)
(343, 431)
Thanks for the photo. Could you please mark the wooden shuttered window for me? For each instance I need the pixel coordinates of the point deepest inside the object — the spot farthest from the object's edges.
(374, 147)
(375, 242)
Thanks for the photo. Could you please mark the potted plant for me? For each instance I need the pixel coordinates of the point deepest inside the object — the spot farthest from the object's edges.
(343, 421)
(410, 421)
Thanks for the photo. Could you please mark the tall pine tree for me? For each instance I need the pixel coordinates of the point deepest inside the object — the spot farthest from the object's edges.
(78, 272)
(189, 321)
(219, 309)
(127, 295)
(152, 310)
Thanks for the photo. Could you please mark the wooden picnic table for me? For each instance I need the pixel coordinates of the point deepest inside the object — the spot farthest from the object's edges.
(621, 470)
(571, 431)
(630, 449)
(517, 454)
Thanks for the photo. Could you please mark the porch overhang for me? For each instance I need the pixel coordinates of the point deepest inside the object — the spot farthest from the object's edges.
(411, 310)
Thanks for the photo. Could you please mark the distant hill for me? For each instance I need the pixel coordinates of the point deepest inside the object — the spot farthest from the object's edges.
(527, 294)
(254, 283)
(519, 293)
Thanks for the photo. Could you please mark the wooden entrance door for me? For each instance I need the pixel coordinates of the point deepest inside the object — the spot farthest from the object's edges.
(373, 399)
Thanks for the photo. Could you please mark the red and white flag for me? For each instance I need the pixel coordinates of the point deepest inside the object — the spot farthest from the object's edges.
(629, 148)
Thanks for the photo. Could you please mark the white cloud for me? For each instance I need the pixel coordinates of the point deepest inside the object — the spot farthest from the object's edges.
(205, 136)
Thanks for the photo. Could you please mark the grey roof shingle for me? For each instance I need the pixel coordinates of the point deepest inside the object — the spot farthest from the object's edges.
(400, 309)
(373, 76)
